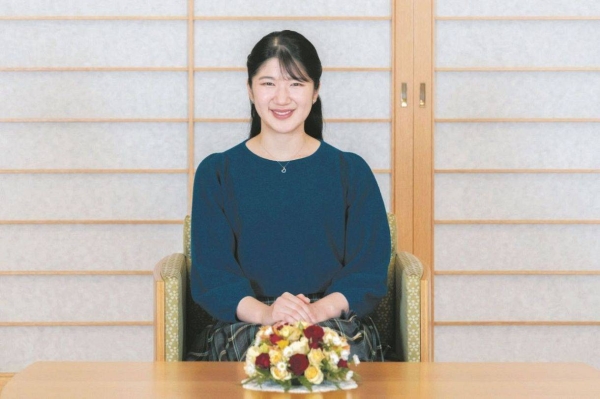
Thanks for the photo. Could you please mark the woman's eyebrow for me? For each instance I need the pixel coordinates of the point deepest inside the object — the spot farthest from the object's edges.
(266, 77)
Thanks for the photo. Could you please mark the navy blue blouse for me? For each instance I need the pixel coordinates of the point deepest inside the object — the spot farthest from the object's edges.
(321, 227)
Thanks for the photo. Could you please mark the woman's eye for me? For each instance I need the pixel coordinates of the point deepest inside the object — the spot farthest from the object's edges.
(296, 84)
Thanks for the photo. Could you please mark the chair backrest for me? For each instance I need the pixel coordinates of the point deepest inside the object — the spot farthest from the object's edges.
(384, 315)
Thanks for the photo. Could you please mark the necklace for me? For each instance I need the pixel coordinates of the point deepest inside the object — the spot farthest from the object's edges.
(283, 169)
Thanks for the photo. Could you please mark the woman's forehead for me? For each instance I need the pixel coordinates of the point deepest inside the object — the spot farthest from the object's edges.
(274, 69)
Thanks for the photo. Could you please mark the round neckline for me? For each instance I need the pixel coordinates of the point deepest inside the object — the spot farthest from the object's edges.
(271, 160)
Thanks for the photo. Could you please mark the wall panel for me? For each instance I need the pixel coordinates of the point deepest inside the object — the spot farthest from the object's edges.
(93, 95)
(533, 247)
(494, 8)
(92, 7)
(517, 146)
(93, 196)
(303, 8)
(21, 346)
(116, 43)
(572, 344)
(100, 247)
(518, 95)
(524, 298)
(93, 146)
(76, 298)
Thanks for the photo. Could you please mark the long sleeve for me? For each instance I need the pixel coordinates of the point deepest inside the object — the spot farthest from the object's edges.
(217, 281)
(362, 280)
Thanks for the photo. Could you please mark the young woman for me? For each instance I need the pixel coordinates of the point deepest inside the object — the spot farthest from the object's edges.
(286, 227)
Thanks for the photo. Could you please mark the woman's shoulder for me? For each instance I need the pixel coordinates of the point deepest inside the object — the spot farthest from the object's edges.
(216, 161)
(349, 160)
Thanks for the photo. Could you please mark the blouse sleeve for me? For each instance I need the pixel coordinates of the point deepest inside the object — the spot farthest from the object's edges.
(217, 281)
(362, 280)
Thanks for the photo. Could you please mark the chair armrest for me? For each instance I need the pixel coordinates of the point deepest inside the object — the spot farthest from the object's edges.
(170, 277)
(409, 272)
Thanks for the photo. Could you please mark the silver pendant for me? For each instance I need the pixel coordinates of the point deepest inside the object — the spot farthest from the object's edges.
(283, 170)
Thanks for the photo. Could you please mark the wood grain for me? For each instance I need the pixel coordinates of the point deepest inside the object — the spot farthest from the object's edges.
(378, 380)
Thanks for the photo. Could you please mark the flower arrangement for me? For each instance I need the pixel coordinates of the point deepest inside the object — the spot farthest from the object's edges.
(300, 354)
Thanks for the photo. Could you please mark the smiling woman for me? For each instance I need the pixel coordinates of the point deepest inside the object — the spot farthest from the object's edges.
(286, 227)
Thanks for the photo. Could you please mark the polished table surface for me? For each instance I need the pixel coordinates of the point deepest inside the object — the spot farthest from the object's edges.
(378, 380)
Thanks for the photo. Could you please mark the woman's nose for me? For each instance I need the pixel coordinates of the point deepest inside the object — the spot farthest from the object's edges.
(282, 95)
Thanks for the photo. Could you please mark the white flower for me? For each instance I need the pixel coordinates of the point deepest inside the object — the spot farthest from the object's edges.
(349, 375)
(336, 340)
(250, 369)
(333, 359)
(345, 354)
(355, 360)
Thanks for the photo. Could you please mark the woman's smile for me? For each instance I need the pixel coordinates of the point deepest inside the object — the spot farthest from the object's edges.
(282, 114)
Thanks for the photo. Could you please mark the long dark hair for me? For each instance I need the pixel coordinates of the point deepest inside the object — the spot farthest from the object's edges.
(299, 58)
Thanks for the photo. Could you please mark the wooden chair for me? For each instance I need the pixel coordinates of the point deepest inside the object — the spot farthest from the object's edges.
(401, 317)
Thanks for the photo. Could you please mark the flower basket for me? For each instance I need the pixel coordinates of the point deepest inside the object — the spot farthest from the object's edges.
(299, 356)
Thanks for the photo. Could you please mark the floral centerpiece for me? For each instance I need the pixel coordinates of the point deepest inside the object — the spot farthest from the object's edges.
(299, 354)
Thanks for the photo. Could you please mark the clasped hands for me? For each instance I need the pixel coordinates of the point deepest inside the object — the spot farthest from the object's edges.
(289, 308)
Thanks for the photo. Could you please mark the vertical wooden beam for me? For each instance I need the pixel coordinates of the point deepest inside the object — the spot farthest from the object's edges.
(423, 136)
(191, 97)
(159, 319)
(402, 122)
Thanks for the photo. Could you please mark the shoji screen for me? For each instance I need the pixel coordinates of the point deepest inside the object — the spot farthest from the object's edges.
(517, 183)
(106, 109)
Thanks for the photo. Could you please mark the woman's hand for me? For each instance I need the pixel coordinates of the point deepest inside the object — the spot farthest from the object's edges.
(329, 307)
(290, 309)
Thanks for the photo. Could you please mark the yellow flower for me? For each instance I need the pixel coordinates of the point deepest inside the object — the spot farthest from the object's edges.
(313, 375)
(315, 356)
(283, 343)
(275, 356)
(280, 372)
(290, 333)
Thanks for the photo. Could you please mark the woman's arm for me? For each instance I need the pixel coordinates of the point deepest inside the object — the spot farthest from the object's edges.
(329, 307)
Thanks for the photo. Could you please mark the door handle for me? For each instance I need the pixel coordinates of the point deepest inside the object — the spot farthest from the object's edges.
(404, 95)
(422, 96)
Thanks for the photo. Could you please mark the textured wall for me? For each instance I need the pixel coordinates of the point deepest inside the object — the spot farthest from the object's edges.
(531, 287)
(136, 121)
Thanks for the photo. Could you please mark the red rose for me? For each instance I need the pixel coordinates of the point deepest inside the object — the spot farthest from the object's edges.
(263, 361)
(343, 363)
(298, 363)
(274, 338)
(313, 345)
(314, 332)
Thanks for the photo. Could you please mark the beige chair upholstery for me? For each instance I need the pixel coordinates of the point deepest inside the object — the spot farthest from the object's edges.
(178, 318)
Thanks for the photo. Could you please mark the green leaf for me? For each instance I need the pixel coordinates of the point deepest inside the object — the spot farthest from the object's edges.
(305, 383)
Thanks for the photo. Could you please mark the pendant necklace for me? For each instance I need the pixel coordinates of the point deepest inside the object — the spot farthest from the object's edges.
(283, 169)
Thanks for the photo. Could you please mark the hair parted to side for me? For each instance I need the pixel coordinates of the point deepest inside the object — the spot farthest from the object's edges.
(298, 58)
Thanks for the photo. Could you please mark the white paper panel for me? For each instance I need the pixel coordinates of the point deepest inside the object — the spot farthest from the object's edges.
(93, 43)
(528, 298)
(93, 95)
(218, 137)
(89, 145)
(338, 43)
(93, 7)
(21, 346)
(93, 196)
(517, 196)
(76, 298)
(344, 95)
(296, 8)
(369, 140)
(517, 146)
(500, 43)
(384, 182)
(517, 247)
(543, 8)
(518, 344)
(517, 95)
(87, 247)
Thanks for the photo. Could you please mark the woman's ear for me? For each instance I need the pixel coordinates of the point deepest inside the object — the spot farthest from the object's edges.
(316, 93)
(250, 94)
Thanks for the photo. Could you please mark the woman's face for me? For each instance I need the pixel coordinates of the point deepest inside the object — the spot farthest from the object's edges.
(282, 103)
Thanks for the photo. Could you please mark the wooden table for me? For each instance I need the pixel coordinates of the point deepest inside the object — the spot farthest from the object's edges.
(379, 380)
